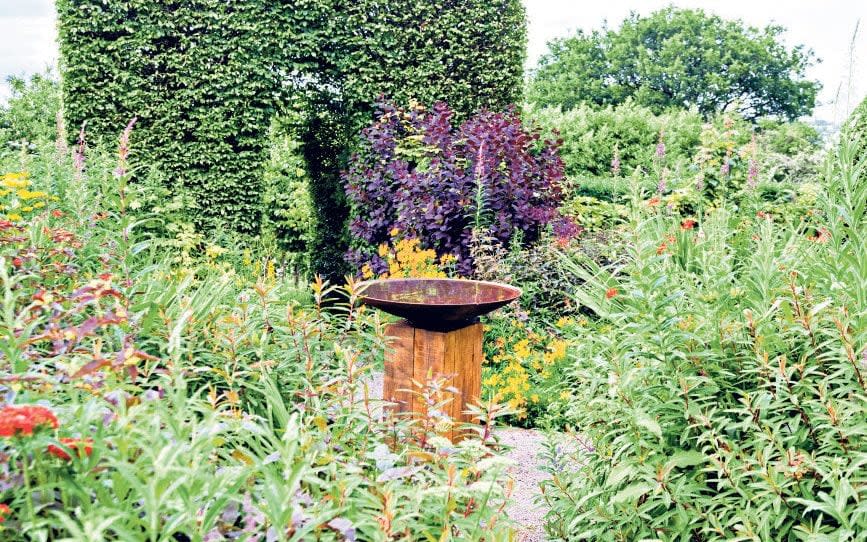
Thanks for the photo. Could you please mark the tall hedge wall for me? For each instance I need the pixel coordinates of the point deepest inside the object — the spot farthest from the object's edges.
(468, 53)
(199, 75)
(205, 77)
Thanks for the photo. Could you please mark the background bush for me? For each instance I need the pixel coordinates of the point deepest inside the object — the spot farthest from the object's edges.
(30, 116)
(286, 204)
(591, 135)
(417, 175)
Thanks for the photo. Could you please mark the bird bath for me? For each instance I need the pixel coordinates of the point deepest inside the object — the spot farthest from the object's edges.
(440, 337)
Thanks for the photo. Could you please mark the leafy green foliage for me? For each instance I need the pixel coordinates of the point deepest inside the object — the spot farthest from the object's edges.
(31, 114)
(205, 78)
(593, 136)
(286, 205)
(679, 58)
(211, 400)
(855, 128)
(722, 392)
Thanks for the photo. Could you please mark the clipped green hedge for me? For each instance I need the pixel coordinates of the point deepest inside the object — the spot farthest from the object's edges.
(205, 78)
(199, 75)
(469, 54)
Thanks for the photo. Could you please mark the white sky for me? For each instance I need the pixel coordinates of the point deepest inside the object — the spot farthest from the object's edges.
(27, 35)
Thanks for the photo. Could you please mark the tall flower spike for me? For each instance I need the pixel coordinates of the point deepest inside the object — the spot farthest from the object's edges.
(615, 162)
(660, 146)
(78, 153)
(753, 173)
(60, 141)
(662, 186)
(123, 150)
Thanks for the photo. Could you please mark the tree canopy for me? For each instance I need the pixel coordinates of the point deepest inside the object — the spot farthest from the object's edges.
(679, 57)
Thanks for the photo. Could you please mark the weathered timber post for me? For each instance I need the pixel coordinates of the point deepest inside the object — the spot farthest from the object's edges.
(420, 355)
(440, 339)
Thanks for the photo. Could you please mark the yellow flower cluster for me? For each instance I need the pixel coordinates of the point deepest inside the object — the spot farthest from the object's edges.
(521, 360)
(406, 259)
(17, 200)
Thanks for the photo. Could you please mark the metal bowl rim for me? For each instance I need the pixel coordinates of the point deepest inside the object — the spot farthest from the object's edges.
(513, 289)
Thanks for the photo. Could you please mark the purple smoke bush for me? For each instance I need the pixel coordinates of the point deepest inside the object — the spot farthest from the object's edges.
(418, 173)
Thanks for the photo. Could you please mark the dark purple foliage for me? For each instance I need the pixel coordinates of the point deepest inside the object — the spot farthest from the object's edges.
(419, 173)
(565, 229)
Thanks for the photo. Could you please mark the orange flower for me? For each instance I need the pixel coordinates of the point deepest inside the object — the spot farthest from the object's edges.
(23, 420)
(654, 201)
(57, 213)
(84, 447)
(662, 248)
(610, 293)
(4, 512)
(688, 224)
(822, 237)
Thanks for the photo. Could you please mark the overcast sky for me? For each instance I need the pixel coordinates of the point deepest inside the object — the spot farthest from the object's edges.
(28, 35)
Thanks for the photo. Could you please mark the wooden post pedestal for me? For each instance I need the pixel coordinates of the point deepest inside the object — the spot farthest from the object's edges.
(421, 354)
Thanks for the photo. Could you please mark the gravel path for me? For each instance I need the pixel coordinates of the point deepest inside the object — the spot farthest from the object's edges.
(525, 446)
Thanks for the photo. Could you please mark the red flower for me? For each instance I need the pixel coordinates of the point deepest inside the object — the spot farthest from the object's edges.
(84, 447)
(57, 213)
(17, 262)
(688, 224)
(610, 293)
(23, 420)
(4, 511)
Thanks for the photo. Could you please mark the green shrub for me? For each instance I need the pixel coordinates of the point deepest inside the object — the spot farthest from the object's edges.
(855, 128)
(287, 209)
(722, 392)
(788, 138)
(606, 188)
(30, 116)
(591, 135)
(594, 214)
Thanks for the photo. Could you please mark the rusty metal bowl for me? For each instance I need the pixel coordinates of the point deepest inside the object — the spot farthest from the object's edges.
(437, 303)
